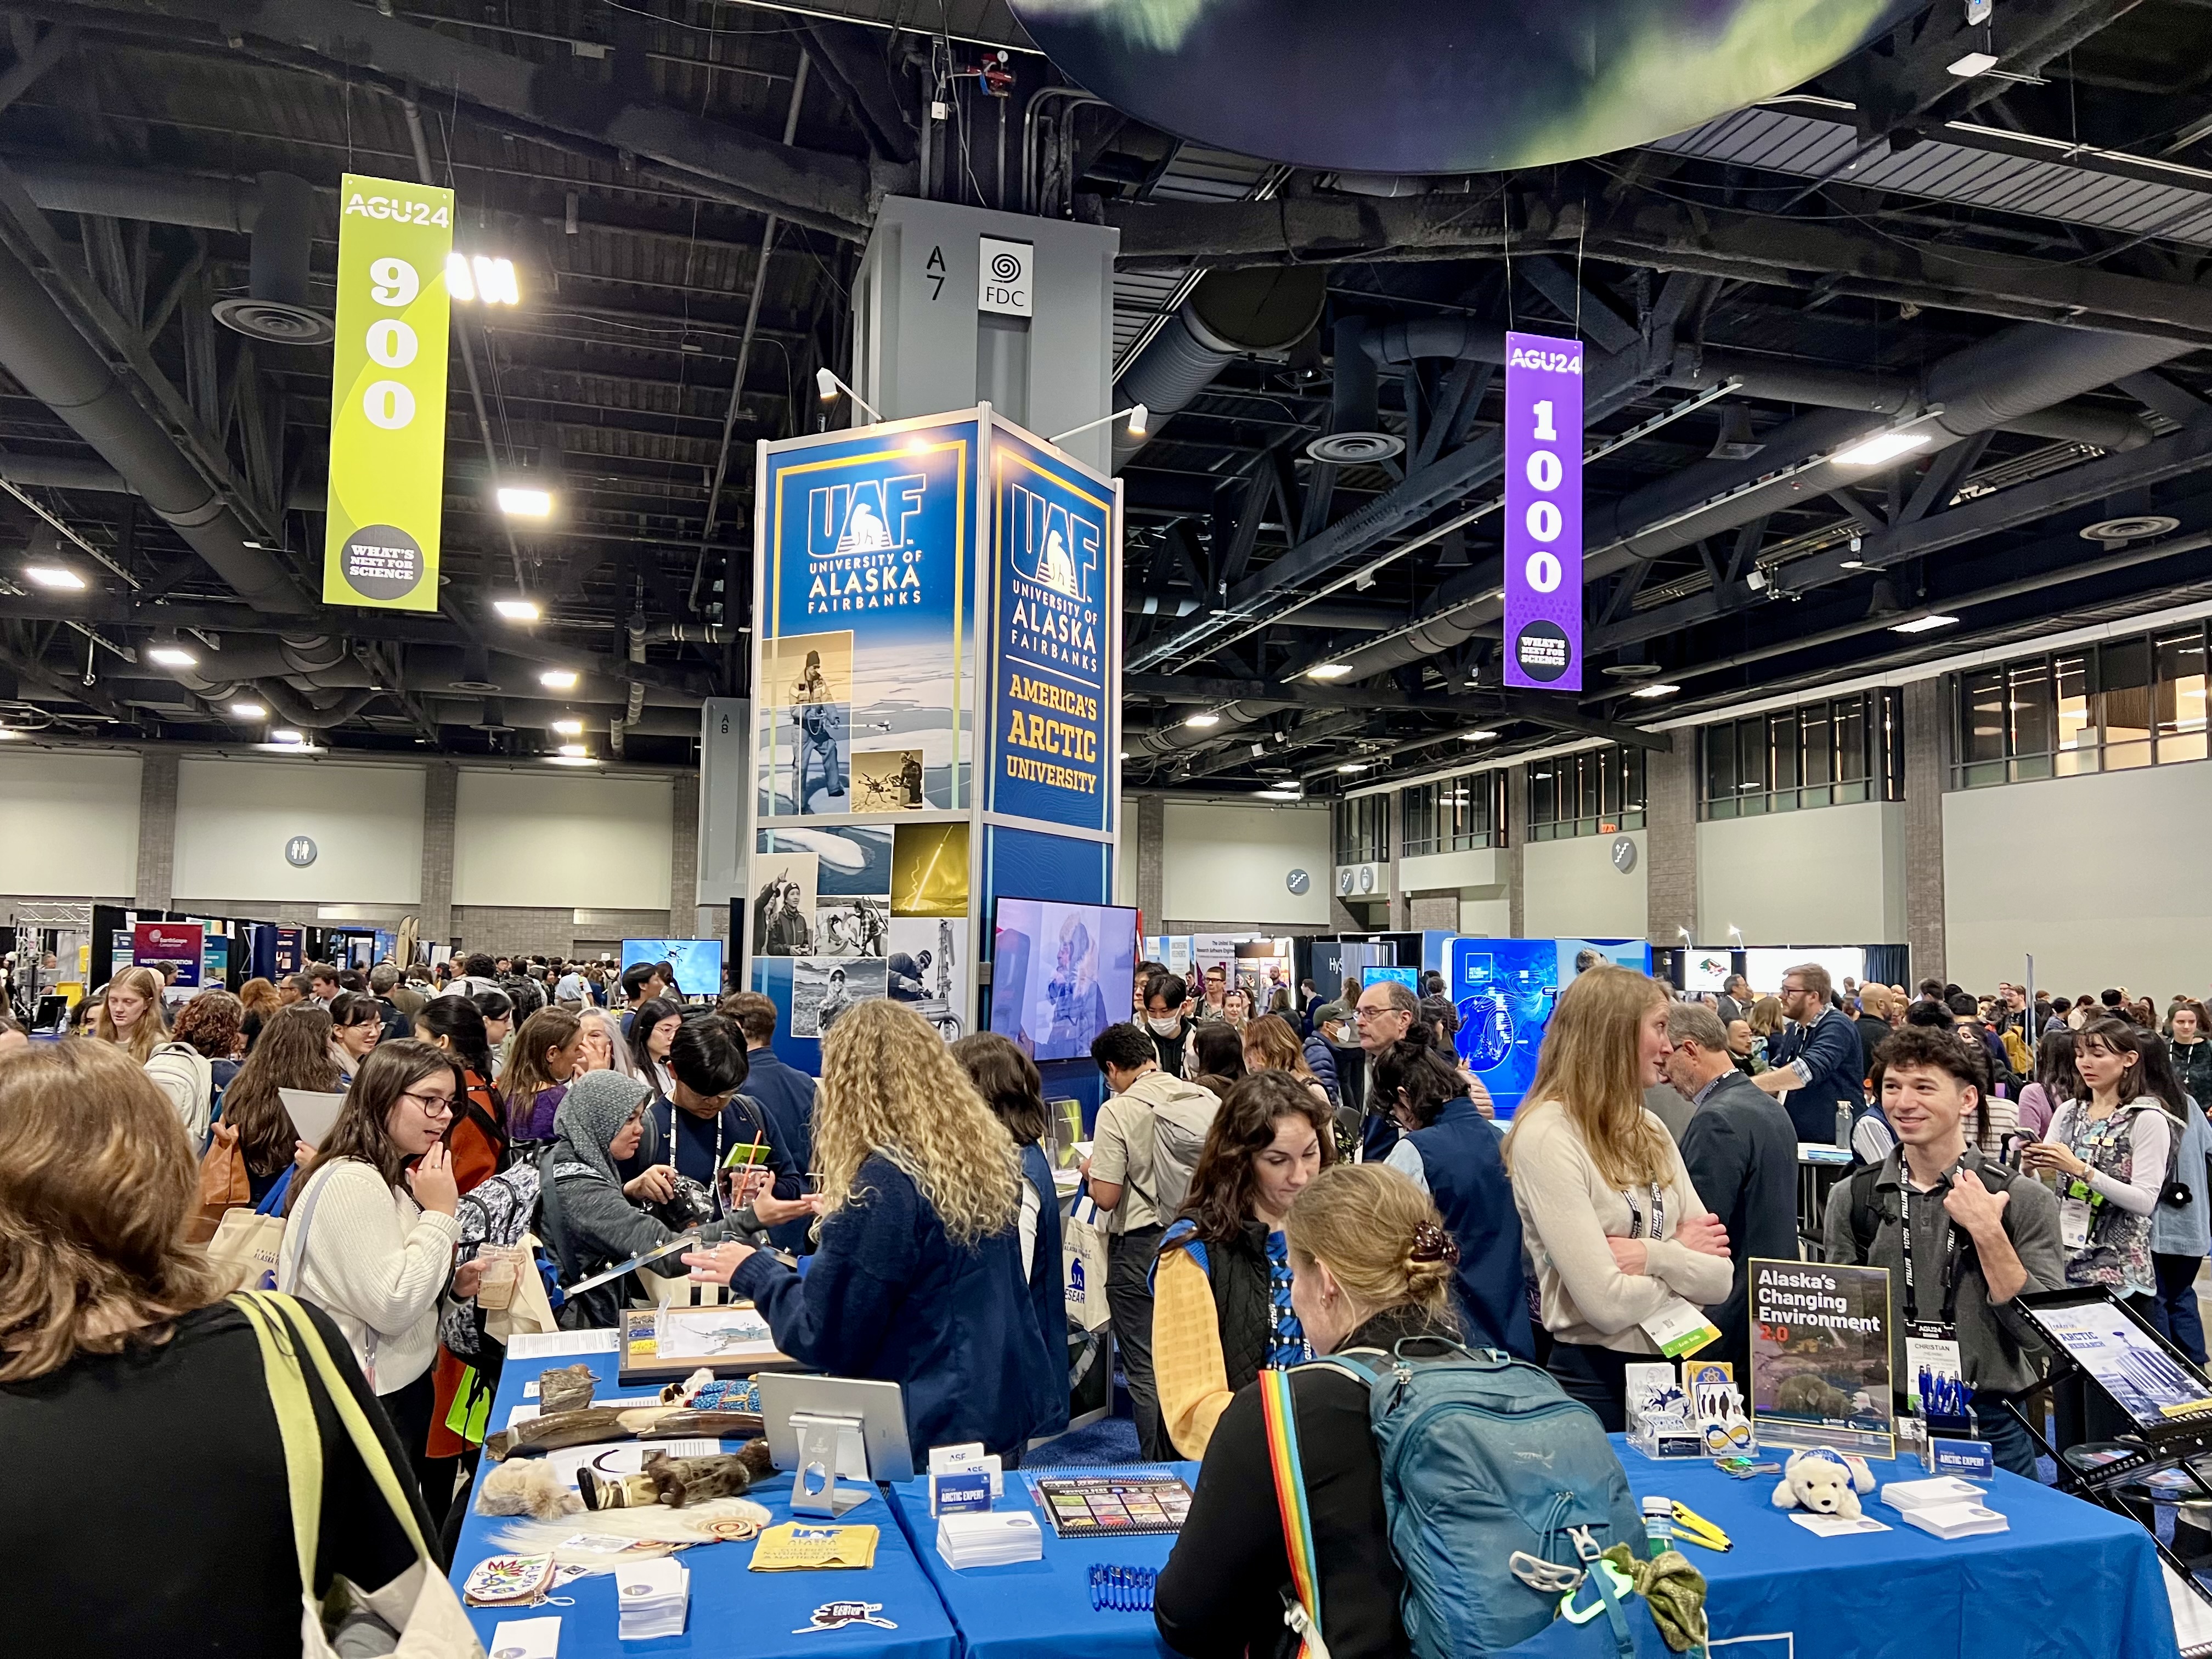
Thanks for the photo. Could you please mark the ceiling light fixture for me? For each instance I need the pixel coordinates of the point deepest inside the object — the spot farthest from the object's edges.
(170, 656)
(249, 711)
(1922, 624)
(1851, 564)
(1882, 446)
(827, 382)
(1483, 736)
(1972, 63)
(490, 280)
(1203, 718)
(520, 502)
(521, 611)
(572, 760)
(558, 679)
(573, 750)
(1280, 794)
(55, 576)
(1656, 689)
(1329, 671)
(569, 728)
(284, 736)
(1354, 766)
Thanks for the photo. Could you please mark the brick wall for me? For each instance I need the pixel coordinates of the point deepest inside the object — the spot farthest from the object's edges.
(1435, 910)
(500, 929)
(1517, 831)
(1670, 840)
(684, 862)
(1925, 776)
(1152, 857)
(440, 790)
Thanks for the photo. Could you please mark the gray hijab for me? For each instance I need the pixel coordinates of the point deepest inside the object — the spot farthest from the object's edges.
(590, 1115)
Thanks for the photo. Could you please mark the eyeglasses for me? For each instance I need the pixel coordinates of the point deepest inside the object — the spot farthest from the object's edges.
(1363, 1015)
(432, 1105)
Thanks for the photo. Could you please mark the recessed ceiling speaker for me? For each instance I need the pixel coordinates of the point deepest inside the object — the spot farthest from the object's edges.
(1633, 671)
(2135, 527)
(275, 307)
(1444, 86)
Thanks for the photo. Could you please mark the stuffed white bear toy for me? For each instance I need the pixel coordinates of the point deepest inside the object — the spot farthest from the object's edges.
(1821, 1481)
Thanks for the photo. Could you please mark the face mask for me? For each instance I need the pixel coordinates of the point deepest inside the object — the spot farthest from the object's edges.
(1165, 1025)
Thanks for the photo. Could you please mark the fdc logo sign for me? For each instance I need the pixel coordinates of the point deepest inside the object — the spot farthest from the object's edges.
(1003, 276)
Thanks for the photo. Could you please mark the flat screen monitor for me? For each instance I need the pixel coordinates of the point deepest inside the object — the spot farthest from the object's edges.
(1764, 965)
(696, 963)
(1061, 973)
(1408, 977)
(1705, 970)
(1578, 955)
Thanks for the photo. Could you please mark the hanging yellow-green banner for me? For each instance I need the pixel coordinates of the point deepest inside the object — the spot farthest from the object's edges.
(388, 395)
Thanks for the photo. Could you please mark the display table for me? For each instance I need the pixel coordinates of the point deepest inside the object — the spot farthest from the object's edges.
(747, 1615)
(1037, 1609)
(2068, 1578)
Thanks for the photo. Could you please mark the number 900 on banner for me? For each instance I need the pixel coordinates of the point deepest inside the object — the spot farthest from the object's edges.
(388, 395)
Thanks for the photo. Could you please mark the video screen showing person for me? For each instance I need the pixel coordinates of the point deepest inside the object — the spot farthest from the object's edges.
(1061, 974)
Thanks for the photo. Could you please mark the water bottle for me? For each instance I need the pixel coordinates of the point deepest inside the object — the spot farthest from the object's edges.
(1844, 1124)
(1658, 1525)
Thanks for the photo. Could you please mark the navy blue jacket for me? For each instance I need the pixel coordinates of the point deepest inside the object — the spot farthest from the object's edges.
(890, 1298)
(1830, 1048)
(1047, 1274)
(786, 1094)
(1321, 1060)
(1466, 1173)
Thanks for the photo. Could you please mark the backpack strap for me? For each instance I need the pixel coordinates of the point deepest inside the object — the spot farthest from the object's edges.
(1301, 1611)
(1865, 1223)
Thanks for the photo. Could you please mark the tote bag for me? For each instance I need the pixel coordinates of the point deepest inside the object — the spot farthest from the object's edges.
(1083, 1253)
(420, 1605)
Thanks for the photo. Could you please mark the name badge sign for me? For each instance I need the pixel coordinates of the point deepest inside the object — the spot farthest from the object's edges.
(388, 395)
(1543, 512)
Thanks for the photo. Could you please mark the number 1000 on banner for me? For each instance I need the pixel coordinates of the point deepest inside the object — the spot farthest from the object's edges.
(1543, 512)
(388, 395)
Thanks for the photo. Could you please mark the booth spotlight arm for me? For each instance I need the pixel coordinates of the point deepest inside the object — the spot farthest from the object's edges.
(827, 383)
(1138, 414)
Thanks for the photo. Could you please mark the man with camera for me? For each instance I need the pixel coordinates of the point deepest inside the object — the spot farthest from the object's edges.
(1960, 1234)
(677, 1170)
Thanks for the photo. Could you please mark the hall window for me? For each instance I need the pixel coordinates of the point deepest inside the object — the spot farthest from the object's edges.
(1593, 792)
(2112, 706)
(1453, 815)
(1362, 829)
(1828, 753)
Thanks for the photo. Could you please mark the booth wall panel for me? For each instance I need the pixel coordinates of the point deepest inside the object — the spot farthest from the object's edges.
(1229, 865)
(1569, 889)
(1834, 875)
(528, 840)
(2135, 912)
(234, 818)
(69, 820)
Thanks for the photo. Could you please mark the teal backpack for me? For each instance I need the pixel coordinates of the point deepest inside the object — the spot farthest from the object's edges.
(1500, 1492)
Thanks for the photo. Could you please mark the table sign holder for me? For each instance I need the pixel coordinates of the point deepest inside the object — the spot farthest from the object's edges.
(814, 1488)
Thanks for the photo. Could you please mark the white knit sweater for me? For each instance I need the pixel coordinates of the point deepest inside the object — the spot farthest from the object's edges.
(376, 1261)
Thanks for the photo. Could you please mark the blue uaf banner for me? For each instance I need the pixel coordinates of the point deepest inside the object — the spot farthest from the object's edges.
(866, 678)
(1053, 563)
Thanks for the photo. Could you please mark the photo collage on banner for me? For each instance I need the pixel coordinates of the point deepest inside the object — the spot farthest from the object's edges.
(867, 683)
(841, 914)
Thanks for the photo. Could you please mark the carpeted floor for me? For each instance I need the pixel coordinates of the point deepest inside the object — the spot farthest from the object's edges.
(1108, 1441)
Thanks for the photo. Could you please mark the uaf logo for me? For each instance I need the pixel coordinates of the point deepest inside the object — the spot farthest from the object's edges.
(1050, 545)
(868, 517)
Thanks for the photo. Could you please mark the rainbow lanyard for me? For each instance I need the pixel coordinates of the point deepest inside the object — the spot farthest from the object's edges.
(1291, 1495)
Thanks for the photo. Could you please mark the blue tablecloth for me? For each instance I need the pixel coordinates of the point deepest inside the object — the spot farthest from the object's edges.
(1037, 1608)
(2069, 1578)
(746, 1615)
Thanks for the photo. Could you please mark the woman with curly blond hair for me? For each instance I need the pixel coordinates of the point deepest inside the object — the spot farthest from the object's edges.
(917, 1276)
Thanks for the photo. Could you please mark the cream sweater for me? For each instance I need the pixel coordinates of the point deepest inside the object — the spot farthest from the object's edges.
(376, 1261)
(1568, 1210)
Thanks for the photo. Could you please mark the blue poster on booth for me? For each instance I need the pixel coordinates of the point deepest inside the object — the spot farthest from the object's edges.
(1052, 554)
(1505, 990)
(866, 685)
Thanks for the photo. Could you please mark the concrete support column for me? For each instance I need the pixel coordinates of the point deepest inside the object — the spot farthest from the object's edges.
(684, 859)
(1401, 906)
(1517, 832)
(1670, 840)
(157, 830)
(1926, 773)
(441, 782)
(1150, 851)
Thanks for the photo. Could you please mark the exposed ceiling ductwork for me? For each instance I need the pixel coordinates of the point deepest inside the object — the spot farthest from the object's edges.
(1229, 314)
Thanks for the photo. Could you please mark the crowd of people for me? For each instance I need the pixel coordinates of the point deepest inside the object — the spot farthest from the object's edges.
(1276, 1182)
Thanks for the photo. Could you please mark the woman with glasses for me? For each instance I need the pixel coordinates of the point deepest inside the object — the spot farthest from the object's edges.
(356, 1026)
(370, 1233)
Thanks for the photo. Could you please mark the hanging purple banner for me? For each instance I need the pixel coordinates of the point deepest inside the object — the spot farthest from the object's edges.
(1543, 512)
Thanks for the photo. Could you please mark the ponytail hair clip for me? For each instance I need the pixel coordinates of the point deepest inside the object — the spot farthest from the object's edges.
(1432, 1243)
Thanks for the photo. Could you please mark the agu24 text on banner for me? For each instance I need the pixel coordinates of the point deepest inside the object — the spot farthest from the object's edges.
(1543, 512)
(388, 395)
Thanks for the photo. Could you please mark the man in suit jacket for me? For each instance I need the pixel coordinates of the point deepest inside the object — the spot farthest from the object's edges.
(1742, 1154)
(1736, 999)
